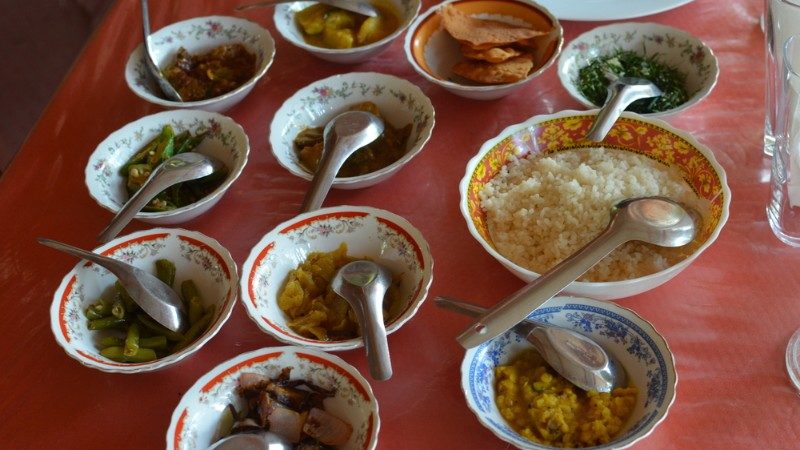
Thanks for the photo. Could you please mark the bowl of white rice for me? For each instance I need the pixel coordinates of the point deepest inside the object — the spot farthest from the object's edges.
(538, 192)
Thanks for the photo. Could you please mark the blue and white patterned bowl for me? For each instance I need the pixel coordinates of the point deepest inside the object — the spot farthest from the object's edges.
(399, 101)
(672, 46)
(225, 141)
(372, 233)
(196, 257)
(198, 35)
(637, 345)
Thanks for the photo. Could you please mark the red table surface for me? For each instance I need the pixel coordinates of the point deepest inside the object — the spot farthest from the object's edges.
(727, 317)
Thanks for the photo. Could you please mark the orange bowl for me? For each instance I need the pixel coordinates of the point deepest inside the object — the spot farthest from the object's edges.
(433, 52)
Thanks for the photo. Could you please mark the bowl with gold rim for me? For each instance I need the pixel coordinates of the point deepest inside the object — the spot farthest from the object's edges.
(539, 191)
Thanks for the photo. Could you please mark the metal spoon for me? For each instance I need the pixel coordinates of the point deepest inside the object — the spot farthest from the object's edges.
(157, 299)
(574, 356)
(363, 284)
(165, 85)
(621, 92)
(262, 440)
(181, 167)
(356, 6)
(656, 220)
(343, 135)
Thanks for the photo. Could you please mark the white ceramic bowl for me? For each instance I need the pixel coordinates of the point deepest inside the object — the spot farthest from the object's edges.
(198, 414)
(399, 101)
(199, 35)
(643, 353)
(379, 235)
(633, 133)
(432, 52)
(196, 257)
(226, 141)
(287, 27)
(674, 47)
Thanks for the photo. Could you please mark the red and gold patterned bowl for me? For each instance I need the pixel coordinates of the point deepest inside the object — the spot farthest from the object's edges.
(565, 130)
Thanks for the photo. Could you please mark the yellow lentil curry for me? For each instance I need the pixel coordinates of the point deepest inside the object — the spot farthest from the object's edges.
(315, 310)
(330, 27)
(546, 408)
(388, 148)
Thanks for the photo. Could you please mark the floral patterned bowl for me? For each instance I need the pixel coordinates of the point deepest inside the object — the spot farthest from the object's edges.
(287, 27)
(643, 353)
(376, 234)
(566, 130)
(225, 141)
(399, 101)
(432, 52)
(673, 47)
(199, 412)
(198, 35)
(196, 257)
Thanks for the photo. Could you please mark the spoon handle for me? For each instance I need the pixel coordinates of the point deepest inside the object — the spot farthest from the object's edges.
(380, 365)
(333, 156)
(356, 6)
(516, 307)
(152, 67)
(468, 309)
(619, 97)
(154, 184)
(103, 261)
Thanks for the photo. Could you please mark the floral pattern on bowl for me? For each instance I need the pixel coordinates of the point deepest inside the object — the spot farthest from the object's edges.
(226, 141)
(673, 47)
(196, 257)
(566, 130)
(379, 235)
(399, 101)
(197, 416)
(634, 342)
(197, 35)
(287, 27)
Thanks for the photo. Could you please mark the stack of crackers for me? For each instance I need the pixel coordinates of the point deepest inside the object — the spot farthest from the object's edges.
(494, 52)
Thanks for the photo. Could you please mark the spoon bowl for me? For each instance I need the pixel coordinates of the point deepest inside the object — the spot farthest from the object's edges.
(656, 220)
(364, 284)
(622, 92)
(157, 299)
(343, 135)
(177, 169)
(578, 358)
(263, 440)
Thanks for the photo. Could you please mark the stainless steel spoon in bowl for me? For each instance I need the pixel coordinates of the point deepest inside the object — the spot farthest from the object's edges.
(655, 220)
(574, 356)
(622, 92)
(356, 6)
(165, 85)
(181, 167)
(157, 299)
(343, 135)
(363, 284)
(263, 440)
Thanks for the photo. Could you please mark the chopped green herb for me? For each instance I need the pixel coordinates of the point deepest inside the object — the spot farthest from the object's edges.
(593, 82)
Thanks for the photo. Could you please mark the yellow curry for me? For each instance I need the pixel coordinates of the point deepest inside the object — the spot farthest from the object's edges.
(546, 408)
(315, 310)
(330, 27)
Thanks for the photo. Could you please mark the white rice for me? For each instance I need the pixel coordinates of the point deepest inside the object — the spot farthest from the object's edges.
(541, 209)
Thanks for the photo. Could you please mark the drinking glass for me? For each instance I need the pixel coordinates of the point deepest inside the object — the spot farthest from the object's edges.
(783, 209)
(781, 19)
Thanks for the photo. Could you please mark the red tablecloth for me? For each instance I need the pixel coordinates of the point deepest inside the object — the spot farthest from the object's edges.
(727, 317)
